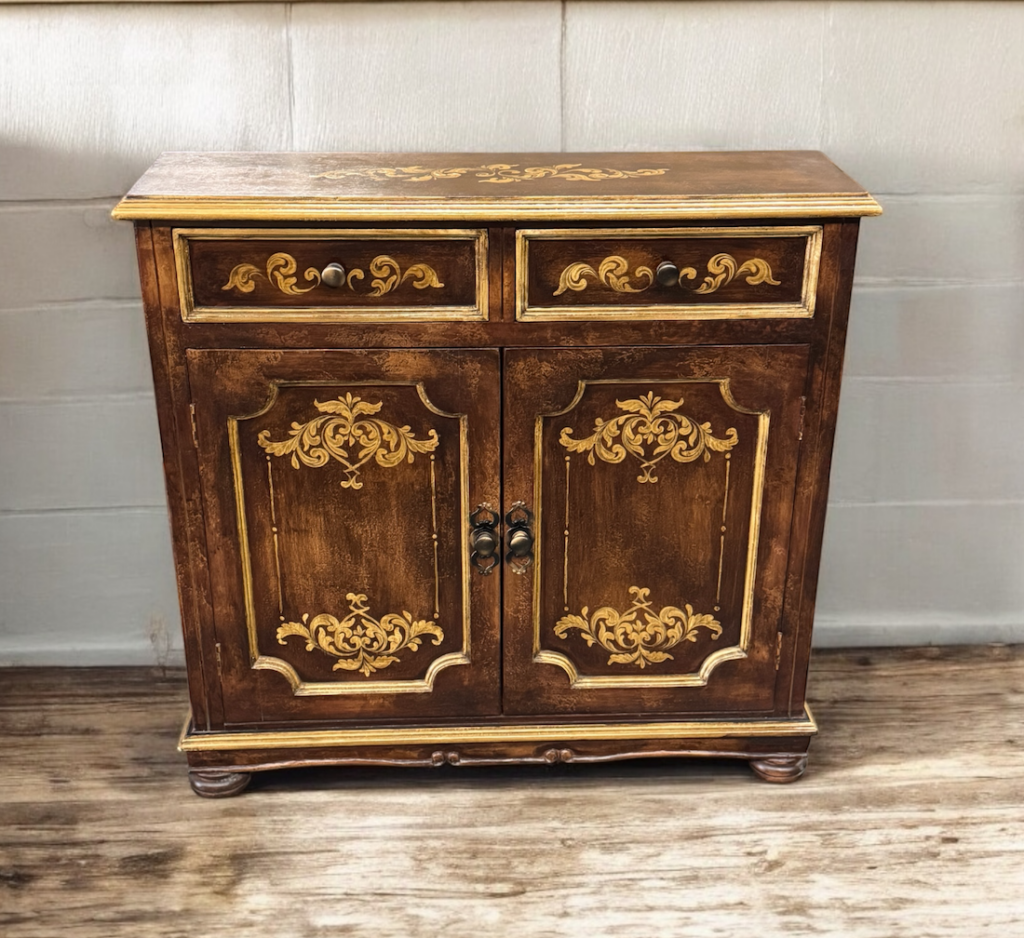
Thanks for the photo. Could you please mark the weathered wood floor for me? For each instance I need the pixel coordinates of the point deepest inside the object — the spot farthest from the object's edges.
(910, 822)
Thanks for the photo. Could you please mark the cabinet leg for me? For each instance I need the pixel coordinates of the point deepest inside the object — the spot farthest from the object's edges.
(213, 784)
(780, 769)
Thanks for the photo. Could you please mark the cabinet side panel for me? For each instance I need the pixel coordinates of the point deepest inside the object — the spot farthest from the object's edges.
(189, 560)
(839, 252)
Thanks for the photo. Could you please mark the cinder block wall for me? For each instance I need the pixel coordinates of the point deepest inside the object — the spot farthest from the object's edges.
(921, 102)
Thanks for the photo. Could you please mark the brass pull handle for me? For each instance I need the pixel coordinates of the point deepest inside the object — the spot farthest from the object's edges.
(667, 274)
(484, 538)
(333, 276)
(520, 537)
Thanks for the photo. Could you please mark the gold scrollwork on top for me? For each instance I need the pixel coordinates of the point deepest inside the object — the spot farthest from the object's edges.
(723, 268)
(499, 173)
(632, 641)
(281, 268)
(330, 436)
(359, 641)
(650, 420)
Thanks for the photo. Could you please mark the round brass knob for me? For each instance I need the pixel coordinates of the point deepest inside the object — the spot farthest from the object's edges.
(667, 274)
(520, 543)
(333, 275)
(484, 541)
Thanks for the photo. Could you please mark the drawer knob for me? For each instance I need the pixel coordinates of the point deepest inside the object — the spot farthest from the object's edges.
(667, 274)
(333, 276)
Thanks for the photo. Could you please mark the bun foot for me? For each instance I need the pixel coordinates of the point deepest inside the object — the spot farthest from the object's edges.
(213, 784)
(780, 769)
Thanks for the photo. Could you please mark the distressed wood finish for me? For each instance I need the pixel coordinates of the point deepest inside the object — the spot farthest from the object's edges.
(321, 472)
(912, 828)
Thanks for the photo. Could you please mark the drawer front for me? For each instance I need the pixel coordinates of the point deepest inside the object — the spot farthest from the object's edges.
(276, 275)
(708, 273)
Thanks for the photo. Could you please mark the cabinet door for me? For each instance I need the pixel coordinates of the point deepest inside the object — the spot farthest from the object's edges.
(336, 488)
(662, 485)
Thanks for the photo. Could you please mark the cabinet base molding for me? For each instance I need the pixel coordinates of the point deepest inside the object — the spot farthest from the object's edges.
(220, 764)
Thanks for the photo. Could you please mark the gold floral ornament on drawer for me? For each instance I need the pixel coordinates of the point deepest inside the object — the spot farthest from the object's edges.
(281, 268)
(347, 424)
(499, 173)
(723, 268)
(613, 272)
(639, 635)
(280, 271)
(359, 641)
(650, 421)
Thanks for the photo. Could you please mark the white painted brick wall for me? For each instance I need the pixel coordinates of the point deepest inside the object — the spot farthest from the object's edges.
(921, 102)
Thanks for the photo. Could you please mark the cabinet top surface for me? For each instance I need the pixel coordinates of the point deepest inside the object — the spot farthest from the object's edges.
(493, 186)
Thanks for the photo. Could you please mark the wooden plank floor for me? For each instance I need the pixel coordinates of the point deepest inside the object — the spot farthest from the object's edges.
(910, 822)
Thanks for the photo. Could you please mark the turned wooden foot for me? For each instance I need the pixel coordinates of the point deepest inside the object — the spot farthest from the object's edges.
(213, 784)
(780, 769)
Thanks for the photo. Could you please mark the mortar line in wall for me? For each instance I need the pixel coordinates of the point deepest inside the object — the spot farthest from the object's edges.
(85, 398)
(103, 201)
(291, 75)
(931, 503)
(92, 304)
(916, 283)
(561, 81)
(83, 510)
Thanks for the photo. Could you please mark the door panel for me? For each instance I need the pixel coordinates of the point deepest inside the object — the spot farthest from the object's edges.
(662, 482)
(336, 488)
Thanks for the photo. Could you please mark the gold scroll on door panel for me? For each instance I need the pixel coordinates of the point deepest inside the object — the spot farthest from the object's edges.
(331, 275)
(648, 429)
(706, 273)
(350, 432)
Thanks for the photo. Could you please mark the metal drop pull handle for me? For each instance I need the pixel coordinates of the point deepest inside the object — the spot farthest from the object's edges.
(520, 538)
(484, 538)
(333, 276)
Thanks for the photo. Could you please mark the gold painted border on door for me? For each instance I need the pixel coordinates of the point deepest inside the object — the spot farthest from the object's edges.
(328, 314)
(189, 741)
(259, 661)
(693, 679)
(668, 311)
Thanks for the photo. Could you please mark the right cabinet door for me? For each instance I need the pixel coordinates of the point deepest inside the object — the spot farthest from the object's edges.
(662, 483)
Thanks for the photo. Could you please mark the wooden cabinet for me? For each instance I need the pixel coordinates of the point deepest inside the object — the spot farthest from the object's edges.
(495, 459)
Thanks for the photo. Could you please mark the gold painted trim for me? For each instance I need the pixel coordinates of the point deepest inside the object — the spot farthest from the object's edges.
(328, 314)
(694, 679)
(674, 311)
(518, 208)
(190, 741)
(260, 661)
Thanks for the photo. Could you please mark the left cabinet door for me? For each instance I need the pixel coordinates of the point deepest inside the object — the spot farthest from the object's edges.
(336, 490)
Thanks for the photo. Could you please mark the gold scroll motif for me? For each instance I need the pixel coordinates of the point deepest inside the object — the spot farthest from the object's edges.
(649, 420)
(499, 173)
(632, 640)
(612, 272)
(723, 268)
(359, 641)
(345, 423)
(281, 268)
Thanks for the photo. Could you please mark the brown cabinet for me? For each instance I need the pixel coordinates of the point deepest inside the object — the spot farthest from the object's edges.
(506, 459)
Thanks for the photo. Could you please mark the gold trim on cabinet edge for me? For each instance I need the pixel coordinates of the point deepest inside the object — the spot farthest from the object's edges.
(520, 208)
(224, 741)
(733, 652)
(327, 314)
(259, 661)
(672, 312)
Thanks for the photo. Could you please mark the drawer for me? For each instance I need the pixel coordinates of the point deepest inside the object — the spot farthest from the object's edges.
(667, 273)
(331, 275)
